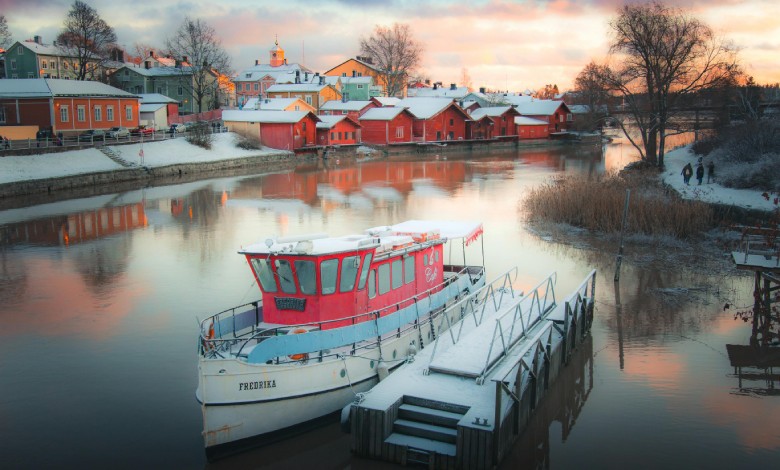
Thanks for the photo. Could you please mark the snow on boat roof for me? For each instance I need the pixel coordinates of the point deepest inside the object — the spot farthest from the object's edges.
(470, 230)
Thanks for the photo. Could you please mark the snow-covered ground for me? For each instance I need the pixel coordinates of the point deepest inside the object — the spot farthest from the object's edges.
(155, 154)
(708, 192)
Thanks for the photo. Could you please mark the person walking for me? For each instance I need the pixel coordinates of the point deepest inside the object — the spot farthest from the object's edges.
(710, 171)
(687, 172)
(700, 172)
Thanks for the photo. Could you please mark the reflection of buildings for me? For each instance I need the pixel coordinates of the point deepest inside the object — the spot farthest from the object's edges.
(75, 228)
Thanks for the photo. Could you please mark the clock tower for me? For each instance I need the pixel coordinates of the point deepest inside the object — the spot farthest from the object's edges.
(277, 55)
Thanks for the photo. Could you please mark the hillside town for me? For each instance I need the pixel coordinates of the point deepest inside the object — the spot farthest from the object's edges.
(282, 104)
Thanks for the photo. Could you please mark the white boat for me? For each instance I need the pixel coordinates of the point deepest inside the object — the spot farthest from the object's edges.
(335, 314)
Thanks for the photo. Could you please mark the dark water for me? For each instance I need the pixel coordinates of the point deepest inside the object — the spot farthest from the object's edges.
(99, 299)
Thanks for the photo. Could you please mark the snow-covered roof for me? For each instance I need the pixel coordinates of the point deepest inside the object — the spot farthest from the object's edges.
(327, 122)
(365, 80)
(457, 93)
(528, 121)
(539, 107)
(315, 79)
(149, 98)
(296, 87)
(517, 99)
(449, 229)
(150, 108)
(281, 73)
(161, 71)
(387, 100)
(425, 108)
(54, 87)
(270, 104)
(492, 111)
(279, 117)
(382, 114)
(338, 105)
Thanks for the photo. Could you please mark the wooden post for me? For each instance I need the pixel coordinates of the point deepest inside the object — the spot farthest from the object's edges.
(622, 230)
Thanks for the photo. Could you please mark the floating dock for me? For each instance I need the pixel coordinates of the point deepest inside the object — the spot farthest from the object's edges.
(463, 400)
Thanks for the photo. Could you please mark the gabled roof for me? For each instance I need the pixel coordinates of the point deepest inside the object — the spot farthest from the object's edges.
(315, 79)
(365, 80)
(149, 98)
(150, 107)
(54, 87)
(426, 108)
(492, 111)
(365, 64)
(327, 122)
(517, 99)
(527, 121)
(160, 71)
(43, 49)
(284, 73)
(272, 117)
(386, 100)
(272, 104)
(338, 105)
(383, 114)
(540, 107)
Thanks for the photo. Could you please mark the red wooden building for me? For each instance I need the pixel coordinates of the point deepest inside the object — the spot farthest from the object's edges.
(67, 106)
(557, 115)
(384, 126)
(337, 130)
(503, 118)
(353, 109)
(530, 128)
(480, 128)
(436, 119)
(285, 130)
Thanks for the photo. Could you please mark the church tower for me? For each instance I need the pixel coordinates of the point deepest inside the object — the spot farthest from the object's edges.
(277, 55)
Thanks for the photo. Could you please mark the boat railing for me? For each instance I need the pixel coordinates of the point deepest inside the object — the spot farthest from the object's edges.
(474, 305)
(232, 327)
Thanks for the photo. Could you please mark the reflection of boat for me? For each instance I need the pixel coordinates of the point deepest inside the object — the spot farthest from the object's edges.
(335, 314)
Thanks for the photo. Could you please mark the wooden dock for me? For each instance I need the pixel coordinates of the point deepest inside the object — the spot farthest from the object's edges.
(463, 400)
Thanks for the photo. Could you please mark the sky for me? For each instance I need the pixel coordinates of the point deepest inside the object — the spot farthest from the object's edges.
(501, 44)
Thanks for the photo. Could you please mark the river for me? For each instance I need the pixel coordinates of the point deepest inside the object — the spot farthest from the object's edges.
(99, 298)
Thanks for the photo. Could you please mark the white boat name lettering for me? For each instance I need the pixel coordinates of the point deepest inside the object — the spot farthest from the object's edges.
(257, 385)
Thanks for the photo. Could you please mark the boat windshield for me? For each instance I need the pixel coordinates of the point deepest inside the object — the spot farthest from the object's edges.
(262, 268)
(306, 276)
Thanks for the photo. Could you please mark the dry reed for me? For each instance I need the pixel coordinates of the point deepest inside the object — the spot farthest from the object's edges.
(597, 205)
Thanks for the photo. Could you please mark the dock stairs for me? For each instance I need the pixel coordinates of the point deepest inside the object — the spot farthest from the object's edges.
(115, 156)
(426, 427)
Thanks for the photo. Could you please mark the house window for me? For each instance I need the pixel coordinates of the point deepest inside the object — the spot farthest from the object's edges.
(44, 65)
(159, 90)
(360, 87)
(360, 74)
(64, 114)
(247, 86)
(569, 117)
(399, 132)
(98, 113)
(257, 86)
(297, 108)
(20, 50)
(129, 113)
(181, 91)
(109, 113)
(344, 111)
(343, 74)
(81, 113)
(30, 75)
(13, 64)
(2, 114)
(308, 100)
(452, 122)
(304, 126)
(339, 135)
(332, 136)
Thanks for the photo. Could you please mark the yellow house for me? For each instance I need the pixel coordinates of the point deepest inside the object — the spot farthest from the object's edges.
(312, 94)
(278, 104)
(360, 67)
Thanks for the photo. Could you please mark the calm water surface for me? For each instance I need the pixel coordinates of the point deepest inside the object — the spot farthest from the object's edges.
(99, 299)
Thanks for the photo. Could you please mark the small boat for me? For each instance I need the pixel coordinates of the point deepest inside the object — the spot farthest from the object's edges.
(335, 315)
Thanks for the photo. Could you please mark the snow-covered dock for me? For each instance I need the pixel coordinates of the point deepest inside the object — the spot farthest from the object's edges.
(463, 400)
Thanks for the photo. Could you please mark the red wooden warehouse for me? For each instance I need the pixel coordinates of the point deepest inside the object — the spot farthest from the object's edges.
(337, 130)
(503, 118)
(530, 128)
(557, 115)
(436, 119)
(385, 126)
(285, 130)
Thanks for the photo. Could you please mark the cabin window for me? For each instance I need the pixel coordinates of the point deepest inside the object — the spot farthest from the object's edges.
(398, 273)
(384, 278)
(364, 271)
(372, 284)
(286, 279)
(329, 270)
(425, 259)
(409, 269)
(349, 270)
(307, 277)
(265, 274)
(436, 256)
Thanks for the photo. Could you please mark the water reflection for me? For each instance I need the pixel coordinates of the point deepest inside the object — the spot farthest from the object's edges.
(99, 294)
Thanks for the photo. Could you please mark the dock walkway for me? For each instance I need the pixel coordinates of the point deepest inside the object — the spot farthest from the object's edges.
(462, 401)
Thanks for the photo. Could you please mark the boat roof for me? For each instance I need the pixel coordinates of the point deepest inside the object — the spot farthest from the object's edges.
(384, 238)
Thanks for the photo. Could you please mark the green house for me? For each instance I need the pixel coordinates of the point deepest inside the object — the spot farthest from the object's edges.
(33, 59)
(174, 82)
(359, 88)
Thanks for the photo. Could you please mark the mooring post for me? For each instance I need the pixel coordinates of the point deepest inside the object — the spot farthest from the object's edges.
(622, 230)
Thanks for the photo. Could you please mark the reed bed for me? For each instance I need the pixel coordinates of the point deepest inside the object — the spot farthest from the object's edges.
(597, 205)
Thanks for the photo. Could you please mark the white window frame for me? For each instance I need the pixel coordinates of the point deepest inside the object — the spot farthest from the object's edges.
(399, 132)
(109, 112)
(81, 113)
(64, 115)
(98, 113)
(129, 113)
(308, 100)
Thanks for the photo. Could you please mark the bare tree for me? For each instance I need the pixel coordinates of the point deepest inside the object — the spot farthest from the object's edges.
(590, 91)
(548, 92)
(395, 52)
(141, 51)
(465, 79)
(5, 34)
(87, 37)
(197, 43)
(663, 56)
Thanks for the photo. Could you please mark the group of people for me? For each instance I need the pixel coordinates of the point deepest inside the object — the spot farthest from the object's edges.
(687, 172)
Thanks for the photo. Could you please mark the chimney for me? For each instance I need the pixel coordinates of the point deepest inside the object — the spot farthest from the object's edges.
(317, 74)
(453, 87)
(37, 40)
(147, 64)
(185, 59)
(482, 90)
(427, 81)
(322, 80)
(151, 53)
(285, 61)
(435, 86)
(257, 61)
